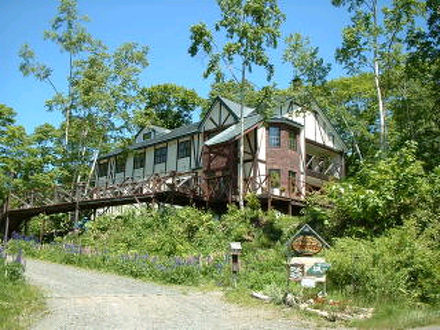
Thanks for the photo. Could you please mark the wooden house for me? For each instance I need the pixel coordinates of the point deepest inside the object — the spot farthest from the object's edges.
(292, 153)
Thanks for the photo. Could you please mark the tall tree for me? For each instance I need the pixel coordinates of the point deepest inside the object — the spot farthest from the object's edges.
(250, 27)
(101, 90)
(373, 41)
(167, 105)
(416, 110)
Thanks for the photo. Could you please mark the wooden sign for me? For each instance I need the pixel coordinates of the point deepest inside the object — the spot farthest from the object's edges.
(306, 242)
(306, 245)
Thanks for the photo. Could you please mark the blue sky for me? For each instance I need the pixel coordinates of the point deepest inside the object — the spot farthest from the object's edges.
(163, 25)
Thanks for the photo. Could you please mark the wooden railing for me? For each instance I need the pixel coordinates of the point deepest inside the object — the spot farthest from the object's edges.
(190, 184)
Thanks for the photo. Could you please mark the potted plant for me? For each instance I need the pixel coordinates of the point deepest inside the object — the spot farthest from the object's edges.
(282, 191)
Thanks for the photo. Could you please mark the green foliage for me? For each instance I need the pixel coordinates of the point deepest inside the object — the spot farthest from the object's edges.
(381, 195)
(306, 63)
(168, 105)
(398, 265)
(98, 100)
(18, 300)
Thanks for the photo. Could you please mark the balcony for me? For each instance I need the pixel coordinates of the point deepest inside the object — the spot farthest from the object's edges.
(323, 168)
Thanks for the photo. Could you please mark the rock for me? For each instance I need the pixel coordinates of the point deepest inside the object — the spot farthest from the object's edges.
(261, 296)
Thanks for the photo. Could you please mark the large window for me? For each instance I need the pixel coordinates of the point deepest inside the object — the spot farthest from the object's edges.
(292, 140)
(275, 178)
(160, 155)
(120, 164)
(274, 136)
(138, 160)
(102, 169)
(184, 149)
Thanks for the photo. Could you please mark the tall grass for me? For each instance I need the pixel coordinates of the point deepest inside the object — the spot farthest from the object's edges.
(19, 301)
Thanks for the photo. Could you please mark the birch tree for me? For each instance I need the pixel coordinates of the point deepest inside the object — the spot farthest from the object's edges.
(373, 42)
(248, 28)
(100, 93)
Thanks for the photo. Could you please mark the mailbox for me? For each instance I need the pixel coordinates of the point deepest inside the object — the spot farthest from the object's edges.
(235, 253)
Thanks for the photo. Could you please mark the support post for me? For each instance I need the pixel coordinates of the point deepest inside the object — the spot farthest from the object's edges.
(6, 213)
(76, 204)
(42, 228)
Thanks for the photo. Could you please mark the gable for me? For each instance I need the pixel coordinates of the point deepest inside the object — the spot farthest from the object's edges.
(219, 115)
(316, 125)
(151, 132)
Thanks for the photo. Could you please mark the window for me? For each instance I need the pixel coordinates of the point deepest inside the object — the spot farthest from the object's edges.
(184, 149)
(160, 155)
(138, 160)
(102, 169)
(275, 178)
(120, 164)
(274, 136)
(146, 136)
(292, 182)
(292, 140)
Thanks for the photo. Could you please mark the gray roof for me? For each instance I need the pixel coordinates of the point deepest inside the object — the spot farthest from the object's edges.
(159, 130)
(234, 130)
(174, 134)
(235, 107)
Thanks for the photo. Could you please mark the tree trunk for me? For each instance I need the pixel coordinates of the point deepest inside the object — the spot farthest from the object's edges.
(241, 155)
(69, 106)
(382, 113)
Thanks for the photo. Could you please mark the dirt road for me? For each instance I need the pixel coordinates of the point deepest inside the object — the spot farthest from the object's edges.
(83, 299)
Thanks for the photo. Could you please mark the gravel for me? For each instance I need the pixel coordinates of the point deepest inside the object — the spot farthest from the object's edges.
(84, 299)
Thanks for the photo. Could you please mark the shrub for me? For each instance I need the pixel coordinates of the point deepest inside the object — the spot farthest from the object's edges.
(398, 265)
(381, 195)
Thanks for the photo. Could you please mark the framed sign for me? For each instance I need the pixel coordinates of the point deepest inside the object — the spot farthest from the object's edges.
(296, 272)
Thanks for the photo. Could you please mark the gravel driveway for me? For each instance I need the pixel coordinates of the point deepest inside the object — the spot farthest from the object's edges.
(84, 299)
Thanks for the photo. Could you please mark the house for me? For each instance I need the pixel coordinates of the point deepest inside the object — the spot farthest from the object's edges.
(292, 153)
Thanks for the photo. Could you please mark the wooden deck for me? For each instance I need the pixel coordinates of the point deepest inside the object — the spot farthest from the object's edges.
(174, 188)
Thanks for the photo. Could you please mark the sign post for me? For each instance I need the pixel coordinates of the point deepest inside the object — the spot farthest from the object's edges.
(303, 266)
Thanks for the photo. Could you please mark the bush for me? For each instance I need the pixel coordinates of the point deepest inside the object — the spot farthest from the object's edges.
(399, 265)
(384, 193)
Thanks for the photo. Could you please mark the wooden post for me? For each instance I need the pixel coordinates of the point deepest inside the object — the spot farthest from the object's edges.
(6, 213)
(42, 228)
(76, 204)
(269, 193)
(290, 208)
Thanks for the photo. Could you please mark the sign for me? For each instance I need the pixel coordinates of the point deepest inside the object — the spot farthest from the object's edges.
(296, 272)
(308, 282)
(308, 268)
(318, 269)
(306, 242)
(306, 245)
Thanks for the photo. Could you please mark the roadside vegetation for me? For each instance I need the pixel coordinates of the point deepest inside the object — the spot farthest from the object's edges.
(19, 301)
(383, 228)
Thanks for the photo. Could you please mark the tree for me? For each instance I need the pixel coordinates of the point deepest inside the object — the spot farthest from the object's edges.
(168, 105)
(101, 93)
(250, 27)
(415, 112)
(374, 41)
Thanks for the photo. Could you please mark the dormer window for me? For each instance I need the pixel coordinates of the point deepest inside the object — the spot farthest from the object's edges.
(147, 136)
